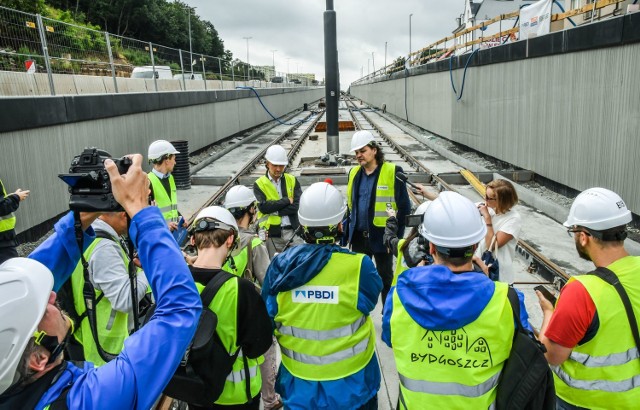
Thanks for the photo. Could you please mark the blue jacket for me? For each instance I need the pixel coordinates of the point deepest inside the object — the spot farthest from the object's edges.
(291, 269)
(375, 233)
(438, 299)
(136, 378)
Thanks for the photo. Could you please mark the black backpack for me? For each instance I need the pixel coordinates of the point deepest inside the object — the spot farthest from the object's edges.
(206, 364)
(526, 381)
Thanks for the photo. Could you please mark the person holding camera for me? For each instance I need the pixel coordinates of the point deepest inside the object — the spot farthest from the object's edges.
(162, 155)
(33, 372)
(451, 328)
(374, 186)
(109, 269)
(503, 226)
(9, 203)
(320, 296)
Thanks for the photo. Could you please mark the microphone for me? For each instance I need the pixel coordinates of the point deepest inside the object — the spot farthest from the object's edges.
(401, 176)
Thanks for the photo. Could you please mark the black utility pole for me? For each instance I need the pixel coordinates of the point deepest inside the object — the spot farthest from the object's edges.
(332, 78)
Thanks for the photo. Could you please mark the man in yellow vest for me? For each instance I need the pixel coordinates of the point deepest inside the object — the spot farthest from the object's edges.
(243, 323)
(372, 188)
(162, 155)
(320, 297)
(8, 205)
(588, 337)
(450, 327)
(108, 268)
(278, 195)
(251, 260)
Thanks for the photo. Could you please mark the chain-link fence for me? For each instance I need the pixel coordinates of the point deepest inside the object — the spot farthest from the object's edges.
(40, 56)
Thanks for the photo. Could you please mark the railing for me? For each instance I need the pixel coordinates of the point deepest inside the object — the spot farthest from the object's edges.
(45, 48)
(456, 44)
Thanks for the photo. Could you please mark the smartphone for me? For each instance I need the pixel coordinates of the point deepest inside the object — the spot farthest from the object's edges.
(546, 294)
(413, 220)
(389, 205)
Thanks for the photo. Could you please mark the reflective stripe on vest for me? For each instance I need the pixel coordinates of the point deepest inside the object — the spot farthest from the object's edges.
(605, 371)
(385, 192)
(449, 389)
(452, 368)
(271, 193)
(225, 306)
(7, 222)
(112, 325)
(168, 204)
(327, 359)
(321, 332)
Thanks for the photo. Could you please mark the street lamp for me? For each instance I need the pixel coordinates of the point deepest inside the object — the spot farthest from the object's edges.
(248, 38)
(273, 52)
(190, 48)
(385, 56)
(410, 37)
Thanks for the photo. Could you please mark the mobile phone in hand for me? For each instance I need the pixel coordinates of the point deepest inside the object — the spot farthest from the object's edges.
(546, 294)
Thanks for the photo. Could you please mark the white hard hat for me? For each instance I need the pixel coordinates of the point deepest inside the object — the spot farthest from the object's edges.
(321, 205)
(159, 148)
(217, 213)
(277, 155)
(361, 138)
(452, 221)
(25, 287)
(422, 208)
(239, 196)
(598, 209)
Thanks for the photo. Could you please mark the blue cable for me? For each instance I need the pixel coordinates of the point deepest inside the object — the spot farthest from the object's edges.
(464, 75)
(562, 10)
(267, 110)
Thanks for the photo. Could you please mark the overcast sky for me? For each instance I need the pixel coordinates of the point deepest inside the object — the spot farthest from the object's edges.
(295, 29)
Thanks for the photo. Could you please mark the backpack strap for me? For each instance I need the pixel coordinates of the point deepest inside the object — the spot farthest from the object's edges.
(248, 270)
(214, 285)
(612, 279)
(515, 307)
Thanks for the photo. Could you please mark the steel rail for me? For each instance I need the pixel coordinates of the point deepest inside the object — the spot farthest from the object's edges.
(256, 159)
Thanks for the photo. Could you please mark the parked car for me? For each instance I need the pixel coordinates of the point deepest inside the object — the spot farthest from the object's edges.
(188, 76)
(295, 81)
(161, 72)
(277, 79)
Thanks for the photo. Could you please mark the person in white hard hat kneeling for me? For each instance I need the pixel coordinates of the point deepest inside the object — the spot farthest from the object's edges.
(251, 260)
(320, 297)
(162, 155)
(278, 194)
(589, 341)
(450, 327)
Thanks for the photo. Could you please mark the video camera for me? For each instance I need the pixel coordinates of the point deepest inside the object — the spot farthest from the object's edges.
(89, 182)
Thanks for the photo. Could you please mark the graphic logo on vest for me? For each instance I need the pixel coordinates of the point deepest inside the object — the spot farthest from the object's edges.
(316, 294)
(383, 187)
(454, 348)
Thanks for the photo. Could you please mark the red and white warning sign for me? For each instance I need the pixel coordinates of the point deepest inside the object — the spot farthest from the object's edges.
(30, 66)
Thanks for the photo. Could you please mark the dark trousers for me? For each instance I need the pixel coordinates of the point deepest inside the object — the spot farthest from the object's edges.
(384, 261)
(8, 252)
(371, 404)
(254, 405)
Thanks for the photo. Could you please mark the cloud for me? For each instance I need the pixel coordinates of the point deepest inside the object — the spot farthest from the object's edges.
(296, 30)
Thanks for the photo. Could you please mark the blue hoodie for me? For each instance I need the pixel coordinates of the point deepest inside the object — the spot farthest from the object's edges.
(292, 269)
(438, 299)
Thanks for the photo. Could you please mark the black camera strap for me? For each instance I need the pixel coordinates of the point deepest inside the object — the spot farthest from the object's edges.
(133, 278)
(88, 291)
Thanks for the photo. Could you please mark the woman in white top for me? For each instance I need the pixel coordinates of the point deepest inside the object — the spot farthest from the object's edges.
(503, 224)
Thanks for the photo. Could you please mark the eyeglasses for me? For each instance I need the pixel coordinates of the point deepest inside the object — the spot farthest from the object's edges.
(487, 198)
(574, 230)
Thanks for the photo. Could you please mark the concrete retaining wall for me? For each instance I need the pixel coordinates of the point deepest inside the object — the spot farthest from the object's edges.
(39, 144)
(571, 116)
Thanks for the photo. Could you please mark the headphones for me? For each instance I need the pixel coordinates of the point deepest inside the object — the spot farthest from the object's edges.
(321, 235)
(206, 224)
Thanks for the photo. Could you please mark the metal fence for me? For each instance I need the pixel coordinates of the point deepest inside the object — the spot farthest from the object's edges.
(46, 51)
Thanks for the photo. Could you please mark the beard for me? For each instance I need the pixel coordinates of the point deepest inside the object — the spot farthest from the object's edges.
(582, 252)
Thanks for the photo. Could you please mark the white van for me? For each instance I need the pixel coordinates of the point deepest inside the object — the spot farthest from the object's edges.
(162, 72)
(188, 76)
